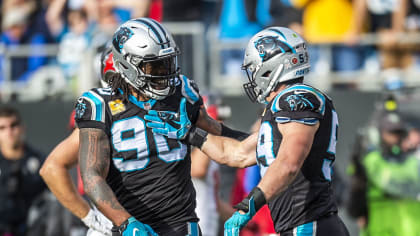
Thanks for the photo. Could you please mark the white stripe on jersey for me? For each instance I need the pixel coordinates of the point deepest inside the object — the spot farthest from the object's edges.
(93, 107)
(102, 105)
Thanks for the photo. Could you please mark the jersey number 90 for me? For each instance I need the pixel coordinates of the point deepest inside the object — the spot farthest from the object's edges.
(138, 142)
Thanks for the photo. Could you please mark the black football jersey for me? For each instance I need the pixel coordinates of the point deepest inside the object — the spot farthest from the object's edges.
(149, 173)
(310, 195)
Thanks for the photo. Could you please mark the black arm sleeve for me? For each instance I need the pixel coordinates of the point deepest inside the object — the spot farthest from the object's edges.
(236, 134)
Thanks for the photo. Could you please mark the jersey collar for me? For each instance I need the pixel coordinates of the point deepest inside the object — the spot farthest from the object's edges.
(146, 105)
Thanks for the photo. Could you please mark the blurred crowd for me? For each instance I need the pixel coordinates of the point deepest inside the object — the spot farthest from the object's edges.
(75, 27)
(362, 35)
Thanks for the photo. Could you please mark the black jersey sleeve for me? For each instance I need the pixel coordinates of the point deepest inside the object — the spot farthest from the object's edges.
(90, 111)
(299, 103)
(191, 92)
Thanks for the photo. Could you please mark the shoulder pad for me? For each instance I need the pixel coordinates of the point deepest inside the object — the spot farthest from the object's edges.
(103, 92)
(189, 89)
(91, 106)
(299, 98)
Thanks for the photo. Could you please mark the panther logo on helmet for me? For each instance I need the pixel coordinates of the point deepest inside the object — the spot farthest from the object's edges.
(269, 46)
(121, 37)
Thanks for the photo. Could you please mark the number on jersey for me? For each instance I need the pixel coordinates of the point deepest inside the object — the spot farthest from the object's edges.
(130, 135)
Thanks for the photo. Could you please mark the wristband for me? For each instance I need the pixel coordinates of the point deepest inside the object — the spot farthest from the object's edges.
(120, 229)
(259, 200)
(196, 137)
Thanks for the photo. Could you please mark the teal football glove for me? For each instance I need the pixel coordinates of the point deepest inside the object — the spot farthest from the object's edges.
(238, 220)
(251, 204)
(133, 227)
(170, 124)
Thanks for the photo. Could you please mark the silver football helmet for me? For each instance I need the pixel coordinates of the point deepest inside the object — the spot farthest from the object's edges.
(274, 55)
(145, 54)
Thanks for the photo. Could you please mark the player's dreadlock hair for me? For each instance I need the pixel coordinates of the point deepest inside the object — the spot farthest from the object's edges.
(116, 81)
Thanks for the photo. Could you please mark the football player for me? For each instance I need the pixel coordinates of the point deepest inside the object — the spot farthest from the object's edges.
(55, 169)
(141, 181)
(295, 145)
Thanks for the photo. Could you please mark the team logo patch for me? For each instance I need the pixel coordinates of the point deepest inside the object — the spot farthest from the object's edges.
(298, 102)
(116, 106)
(80, 108)
(121, 37)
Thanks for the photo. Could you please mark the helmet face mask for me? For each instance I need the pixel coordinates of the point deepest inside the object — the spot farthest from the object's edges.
(159, 75)
(145, 55)
(251, 88)
(273, 56)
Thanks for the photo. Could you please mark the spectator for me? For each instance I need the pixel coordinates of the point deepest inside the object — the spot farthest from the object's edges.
(74, 43)
(90, 25)
(75, 40)
(73, 34)
(386, 183)
(106, 15)
(16, 31)
(238, 21)
(20, 183)
(329, 21)
(28, 6)
(286, 15)
(389, 19)
(35, 10)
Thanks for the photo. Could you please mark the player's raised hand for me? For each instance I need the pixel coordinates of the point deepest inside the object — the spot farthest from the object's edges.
(170, 124)
(133, 227)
